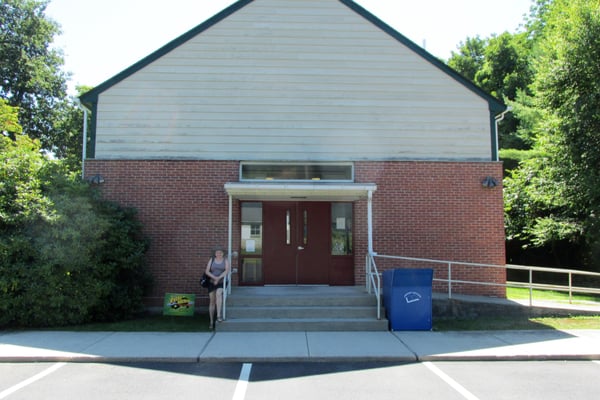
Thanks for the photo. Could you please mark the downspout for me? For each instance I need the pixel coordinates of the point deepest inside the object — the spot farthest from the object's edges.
(370, 263)
(227, 289)
(230, 240)
(497, 120)
(84, 144)
(370, 222)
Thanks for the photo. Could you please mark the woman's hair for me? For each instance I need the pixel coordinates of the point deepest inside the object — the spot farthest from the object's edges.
(219, 248)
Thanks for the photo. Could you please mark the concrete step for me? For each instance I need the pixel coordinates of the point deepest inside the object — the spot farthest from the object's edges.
(300, 301)
(301, 312)
(301, 308)
(305, 324)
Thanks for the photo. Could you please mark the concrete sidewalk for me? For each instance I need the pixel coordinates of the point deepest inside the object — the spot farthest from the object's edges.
(42, 346)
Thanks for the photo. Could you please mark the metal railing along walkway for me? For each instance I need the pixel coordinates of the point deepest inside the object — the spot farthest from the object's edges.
(373, 280)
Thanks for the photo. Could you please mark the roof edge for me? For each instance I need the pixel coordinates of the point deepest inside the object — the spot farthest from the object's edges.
(496, 106)
(92, 95)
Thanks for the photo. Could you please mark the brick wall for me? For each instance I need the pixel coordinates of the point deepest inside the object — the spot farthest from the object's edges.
(184, 209)
(435, 210)
(420, 209)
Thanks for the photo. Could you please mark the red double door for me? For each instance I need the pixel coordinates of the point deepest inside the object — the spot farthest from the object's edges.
(297, 243)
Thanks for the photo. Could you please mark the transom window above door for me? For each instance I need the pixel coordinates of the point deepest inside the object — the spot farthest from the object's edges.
(329, 172)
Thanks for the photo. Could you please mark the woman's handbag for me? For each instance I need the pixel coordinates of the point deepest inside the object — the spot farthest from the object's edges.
(205, 281)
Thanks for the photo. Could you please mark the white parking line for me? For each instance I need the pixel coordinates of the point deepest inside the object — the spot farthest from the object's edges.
(4, 394)
(242, 384)
(453, 384)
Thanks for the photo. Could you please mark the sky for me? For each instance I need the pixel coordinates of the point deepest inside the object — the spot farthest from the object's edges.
(101, 38)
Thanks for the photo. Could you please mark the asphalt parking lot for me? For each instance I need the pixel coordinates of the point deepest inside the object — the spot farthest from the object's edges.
(290, 380)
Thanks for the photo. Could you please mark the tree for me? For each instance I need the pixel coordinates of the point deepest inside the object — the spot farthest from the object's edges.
(9, 120)
(506, 67)
(500, 65)
(535, 22)
(21, 198)
(66, 255)
(568, 85)
(69, 123)
(560, 191)
(470, 57)
(30, 73)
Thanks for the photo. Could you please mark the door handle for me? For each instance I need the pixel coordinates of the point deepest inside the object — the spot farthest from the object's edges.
(300, 248)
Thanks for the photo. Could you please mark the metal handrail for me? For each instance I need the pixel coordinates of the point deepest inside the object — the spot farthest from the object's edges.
(373, 280)
(225, 287)
(530, 284)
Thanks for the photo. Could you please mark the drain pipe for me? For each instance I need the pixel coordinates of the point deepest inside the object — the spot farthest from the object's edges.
(497, 120)
(368, 266)
(227, 288)
(85, 129)
(370, 221)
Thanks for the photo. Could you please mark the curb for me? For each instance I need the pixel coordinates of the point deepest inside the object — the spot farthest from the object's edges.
(334, 359)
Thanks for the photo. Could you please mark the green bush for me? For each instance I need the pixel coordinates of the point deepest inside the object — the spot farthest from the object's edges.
(66, 255)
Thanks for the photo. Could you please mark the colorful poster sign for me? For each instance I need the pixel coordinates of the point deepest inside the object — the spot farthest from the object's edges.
(179, 304)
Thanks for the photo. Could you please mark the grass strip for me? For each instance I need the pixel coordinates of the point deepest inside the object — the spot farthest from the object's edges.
(550, 295)
(199, 322)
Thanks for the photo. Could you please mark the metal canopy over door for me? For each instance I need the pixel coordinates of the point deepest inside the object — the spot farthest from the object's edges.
(296, 248)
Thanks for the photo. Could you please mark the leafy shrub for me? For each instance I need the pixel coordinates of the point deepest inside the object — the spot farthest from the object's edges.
(66, 255)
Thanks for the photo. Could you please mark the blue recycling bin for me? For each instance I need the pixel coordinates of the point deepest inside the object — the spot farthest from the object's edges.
(407, 299)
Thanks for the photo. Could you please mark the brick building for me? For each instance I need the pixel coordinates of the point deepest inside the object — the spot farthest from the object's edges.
(300, 134)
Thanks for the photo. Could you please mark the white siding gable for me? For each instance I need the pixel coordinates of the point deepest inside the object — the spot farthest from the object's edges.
(292, 80)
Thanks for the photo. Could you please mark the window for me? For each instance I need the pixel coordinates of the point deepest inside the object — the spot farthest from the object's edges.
(251, 242)
(251, 228)
(297, 172)
(255, 229)
(341, 229)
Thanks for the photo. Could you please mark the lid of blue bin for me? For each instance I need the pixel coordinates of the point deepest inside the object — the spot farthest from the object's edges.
(412, 277)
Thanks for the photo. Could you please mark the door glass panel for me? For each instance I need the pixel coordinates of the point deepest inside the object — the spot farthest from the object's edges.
(288, 228)
(305, 229)
(251, 242)
(252, 270)
(341, 229)
(252, 229)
